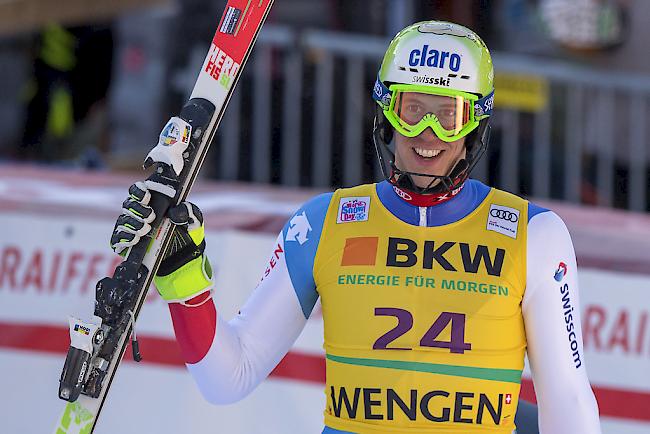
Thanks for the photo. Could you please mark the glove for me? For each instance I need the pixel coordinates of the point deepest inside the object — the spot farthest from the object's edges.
(185, 270)
(134, 221)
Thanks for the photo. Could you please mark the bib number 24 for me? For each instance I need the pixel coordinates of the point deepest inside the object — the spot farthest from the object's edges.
(456, 343)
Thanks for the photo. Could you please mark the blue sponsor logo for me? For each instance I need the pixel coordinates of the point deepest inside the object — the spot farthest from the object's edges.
(434, 58)
(560, 272)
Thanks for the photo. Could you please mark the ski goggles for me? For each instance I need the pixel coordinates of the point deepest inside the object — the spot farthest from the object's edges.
(449, 113)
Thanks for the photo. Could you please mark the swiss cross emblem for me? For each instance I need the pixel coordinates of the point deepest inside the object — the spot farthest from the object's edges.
(508, 398)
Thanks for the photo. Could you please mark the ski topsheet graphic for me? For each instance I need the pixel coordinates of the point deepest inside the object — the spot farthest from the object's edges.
(97, 346)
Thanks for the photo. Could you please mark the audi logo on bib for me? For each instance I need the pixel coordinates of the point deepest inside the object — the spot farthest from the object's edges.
(503, 219)
(504, 214)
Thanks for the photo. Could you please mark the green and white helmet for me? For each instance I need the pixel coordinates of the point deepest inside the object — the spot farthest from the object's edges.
(443, 59)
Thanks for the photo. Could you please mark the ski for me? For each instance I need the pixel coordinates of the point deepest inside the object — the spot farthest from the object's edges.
(97, 346)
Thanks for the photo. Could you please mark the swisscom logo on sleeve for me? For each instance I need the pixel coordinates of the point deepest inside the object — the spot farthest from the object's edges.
(353, 209)
(503, 219)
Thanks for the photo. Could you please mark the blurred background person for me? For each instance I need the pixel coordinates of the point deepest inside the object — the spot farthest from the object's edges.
(66, 112)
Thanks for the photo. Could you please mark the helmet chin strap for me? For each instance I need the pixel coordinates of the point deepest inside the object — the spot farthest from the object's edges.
(425, 200)
(446, 184)
(459, 168)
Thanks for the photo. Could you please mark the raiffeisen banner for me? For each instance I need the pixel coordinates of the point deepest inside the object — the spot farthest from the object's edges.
(56, 227)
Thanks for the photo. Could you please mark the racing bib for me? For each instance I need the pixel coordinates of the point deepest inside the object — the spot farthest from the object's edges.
(423, 325)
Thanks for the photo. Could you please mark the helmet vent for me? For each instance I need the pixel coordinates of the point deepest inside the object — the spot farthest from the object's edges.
(435, 27)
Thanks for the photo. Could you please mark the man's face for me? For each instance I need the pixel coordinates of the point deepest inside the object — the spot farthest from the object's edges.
(426, 153)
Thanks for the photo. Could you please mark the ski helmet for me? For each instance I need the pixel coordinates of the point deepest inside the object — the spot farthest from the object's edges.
(449, 61)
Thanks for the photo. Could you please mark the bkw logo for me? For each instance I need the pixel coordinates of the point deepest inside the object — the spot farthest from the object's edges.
(403, 252)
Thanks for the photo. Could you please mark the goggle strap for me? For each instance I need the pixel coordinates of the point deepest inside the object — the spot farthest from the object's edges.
(381, 94)
(483, 106)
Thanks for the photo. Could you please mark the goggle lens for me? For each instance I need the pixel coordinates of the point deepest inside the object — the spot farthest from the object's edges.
(452, 113)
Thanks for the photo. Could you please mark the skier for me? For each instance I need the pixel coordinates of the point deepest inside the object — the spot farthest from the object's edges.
(433, 286)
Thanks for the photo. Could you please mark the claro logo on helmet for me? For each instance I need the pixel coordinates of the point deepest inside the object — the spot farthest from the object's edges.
(434, 58)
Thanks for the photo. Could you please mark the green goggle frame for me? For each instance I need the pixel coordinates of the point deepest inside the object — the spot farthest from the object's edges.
(430, 120)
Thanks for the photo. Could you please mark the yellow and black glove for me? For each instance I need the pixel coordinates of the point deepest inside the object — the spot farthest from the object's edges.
(185, 270)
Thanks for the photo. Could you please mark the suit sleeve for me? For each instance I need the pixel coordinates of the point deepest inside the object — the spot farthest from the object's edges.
(228, 359)
(551, 310)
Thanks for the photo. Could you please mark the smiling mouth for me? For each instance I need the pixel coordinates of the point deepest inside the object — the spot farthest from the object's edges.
(427, 153)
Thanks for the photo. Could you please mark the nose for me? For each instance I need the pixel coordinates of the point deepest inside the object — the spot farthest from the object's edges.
(428, 135)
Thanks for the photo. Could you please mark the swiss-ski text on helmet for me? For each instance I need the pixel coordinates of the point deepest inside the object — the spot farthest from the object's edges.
(437, 81)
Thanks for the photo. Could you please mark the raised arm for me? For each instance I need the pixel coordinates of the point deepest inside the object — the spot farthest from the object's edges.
(551, 312)
(228, 359)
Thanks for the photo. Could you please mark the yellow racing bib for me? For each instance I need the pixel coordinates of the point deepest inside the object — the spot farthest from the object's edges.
(423, 325)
